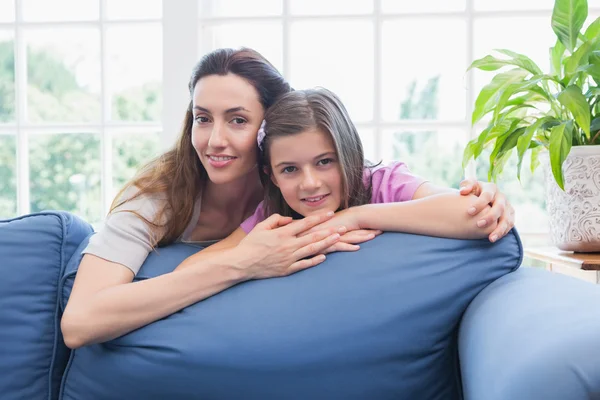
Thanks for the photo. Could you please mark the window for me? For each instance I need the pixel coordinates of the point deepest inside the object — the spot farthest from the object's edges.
(119, 83)
(80, 101)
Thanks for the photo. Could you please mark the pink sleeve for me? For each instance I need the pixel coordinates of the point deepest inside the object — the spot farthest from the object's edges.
(393, 183)
(254, 219)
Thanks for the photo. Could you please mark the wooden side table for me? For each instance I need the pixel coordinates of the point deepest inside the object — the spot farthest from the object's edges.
(584, 266)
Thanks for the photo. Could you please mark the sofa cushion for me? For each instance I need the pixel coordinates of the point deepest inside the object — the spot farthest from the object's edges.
(34, 250)
(532, 334)
(379, 323)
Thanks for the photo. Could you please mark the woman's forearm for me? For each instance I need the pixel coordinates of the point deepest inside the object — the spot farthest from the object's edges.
(443, 215)
(120, 309)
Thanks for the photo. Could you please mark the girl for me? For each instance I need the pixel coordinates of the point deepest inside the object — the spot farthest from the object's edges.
(312, 163)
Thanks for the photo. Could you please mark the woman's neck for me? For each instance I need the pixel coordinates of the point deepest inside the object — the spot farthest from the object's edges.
(238, 196)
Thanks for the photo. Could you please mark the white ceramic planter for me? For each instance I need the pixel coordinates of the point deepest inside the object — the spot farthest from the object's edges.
(574, 214)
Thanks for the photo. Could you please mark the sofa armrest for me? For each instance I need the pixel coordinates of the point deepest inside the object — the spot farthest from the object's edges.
(532, 334)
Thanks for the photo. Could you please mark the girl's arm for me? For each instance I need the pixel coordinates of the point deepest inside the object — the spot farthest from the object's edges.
(443, 215)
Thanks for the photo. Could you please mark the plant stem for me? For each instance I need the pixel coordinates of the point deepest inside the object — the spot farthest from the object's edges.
(595, 137)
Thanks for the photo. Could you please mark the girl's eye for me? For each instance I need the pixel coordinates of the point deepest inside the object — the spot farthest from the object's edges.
(288, 170)
(201, 119)
(325, 161)
(238, 121)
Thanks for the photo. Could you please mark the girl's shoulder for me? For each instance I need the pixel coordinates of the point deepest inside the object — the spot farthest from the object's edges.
(391, 182)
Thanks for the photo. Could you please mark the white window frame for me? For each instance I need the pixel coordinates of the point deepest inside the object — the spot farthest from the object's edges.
(104, 128)
(182, 48)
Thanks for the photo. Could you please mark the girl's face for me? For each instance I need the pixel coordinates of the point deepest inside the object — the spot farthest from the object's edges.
(227, 114)
(305, 168)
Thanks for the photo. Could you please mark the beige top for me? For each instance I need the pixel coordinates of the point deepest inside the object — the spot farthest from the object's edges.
(125, 238)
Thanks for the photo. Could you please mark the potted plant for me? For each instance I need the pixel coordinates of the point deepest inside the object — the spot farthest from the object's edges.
(555, 117)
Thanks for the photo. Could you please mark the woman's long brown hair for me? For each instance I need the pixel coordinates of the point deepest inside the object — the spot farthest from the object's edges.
(178, 174)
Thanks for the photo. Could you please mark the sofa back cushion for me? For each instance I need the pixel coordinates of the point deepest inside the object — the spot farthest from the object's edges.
(379, 323)
(34, 250)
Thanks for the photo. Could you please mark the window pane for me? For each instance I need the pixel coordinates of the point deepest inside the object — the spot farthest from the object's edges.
(130, 9)
(7, 77)
(320, 7)
(395, 6)
(433, 155)
(424, 78)
(60, 10)
(131, 151)
(495, 5)
(239, 8)
(65, 174)
(367, 137)
(63, 75)
(527, 198)
(7, 11)
(264, 37)
(134, 70)
(8, 176)
(342, 62)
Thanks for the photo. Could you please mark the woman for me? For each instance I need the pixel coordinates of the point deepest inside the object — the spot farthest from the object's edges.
(201, 191)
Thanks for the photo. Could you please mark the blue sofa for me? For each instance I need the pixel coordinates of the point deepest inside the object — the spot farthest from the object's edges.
(406, 317)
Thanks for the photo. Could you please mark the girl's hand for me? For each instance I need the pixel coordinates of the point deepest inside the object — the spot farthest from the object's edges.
(274, 249)
(501, 211)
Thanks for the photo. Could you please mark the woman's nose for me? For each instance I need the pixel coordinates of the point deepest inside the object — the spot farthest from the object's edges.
(217, 136)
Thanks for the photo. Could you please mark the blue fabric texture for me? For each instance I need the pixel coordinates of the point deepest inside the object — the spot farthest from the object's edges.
(532, 335)
(33, 252)
(380, 323)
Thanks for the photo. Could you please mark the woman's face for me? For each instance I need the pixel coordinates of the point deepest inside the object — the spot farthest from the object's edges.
(227, 114)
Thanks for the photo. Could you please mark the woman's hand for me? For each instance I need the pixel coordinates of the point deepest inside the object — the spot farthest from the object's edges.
(349, 241)
(488, 195)
(274, 248)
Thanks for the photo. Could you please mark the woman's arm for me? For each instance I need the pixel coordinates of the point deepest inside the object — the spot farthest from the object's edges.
(105, 303)
(443, 215)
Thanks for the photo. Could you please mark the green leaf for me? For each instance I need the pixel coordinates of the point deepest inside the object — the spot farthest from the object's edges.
(504, 144)
(595, 125)
(575, 102)
(535, 161)
(568, 18)
(593, 31)
(561, 139)
(524, 141)
(556, 55)
(469, 152)
(522, 61)
(488, 96)
(578, 58)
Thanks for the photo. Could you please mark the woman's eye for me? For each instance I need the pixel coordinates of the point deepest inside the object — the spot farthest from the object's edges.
(201, 119)
(238, 121)
(325, 161)
(288, 170)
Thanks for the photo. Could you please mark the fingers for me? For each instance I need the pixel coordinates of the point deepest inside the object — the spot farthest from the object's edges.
(307, 223)
(506, 223)
(274, 221)
(497, 211)
(319, 235)
(307, 263)
(315, 247)
(467, 186)
(485, 198)
(359, 236)
(341, 246)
